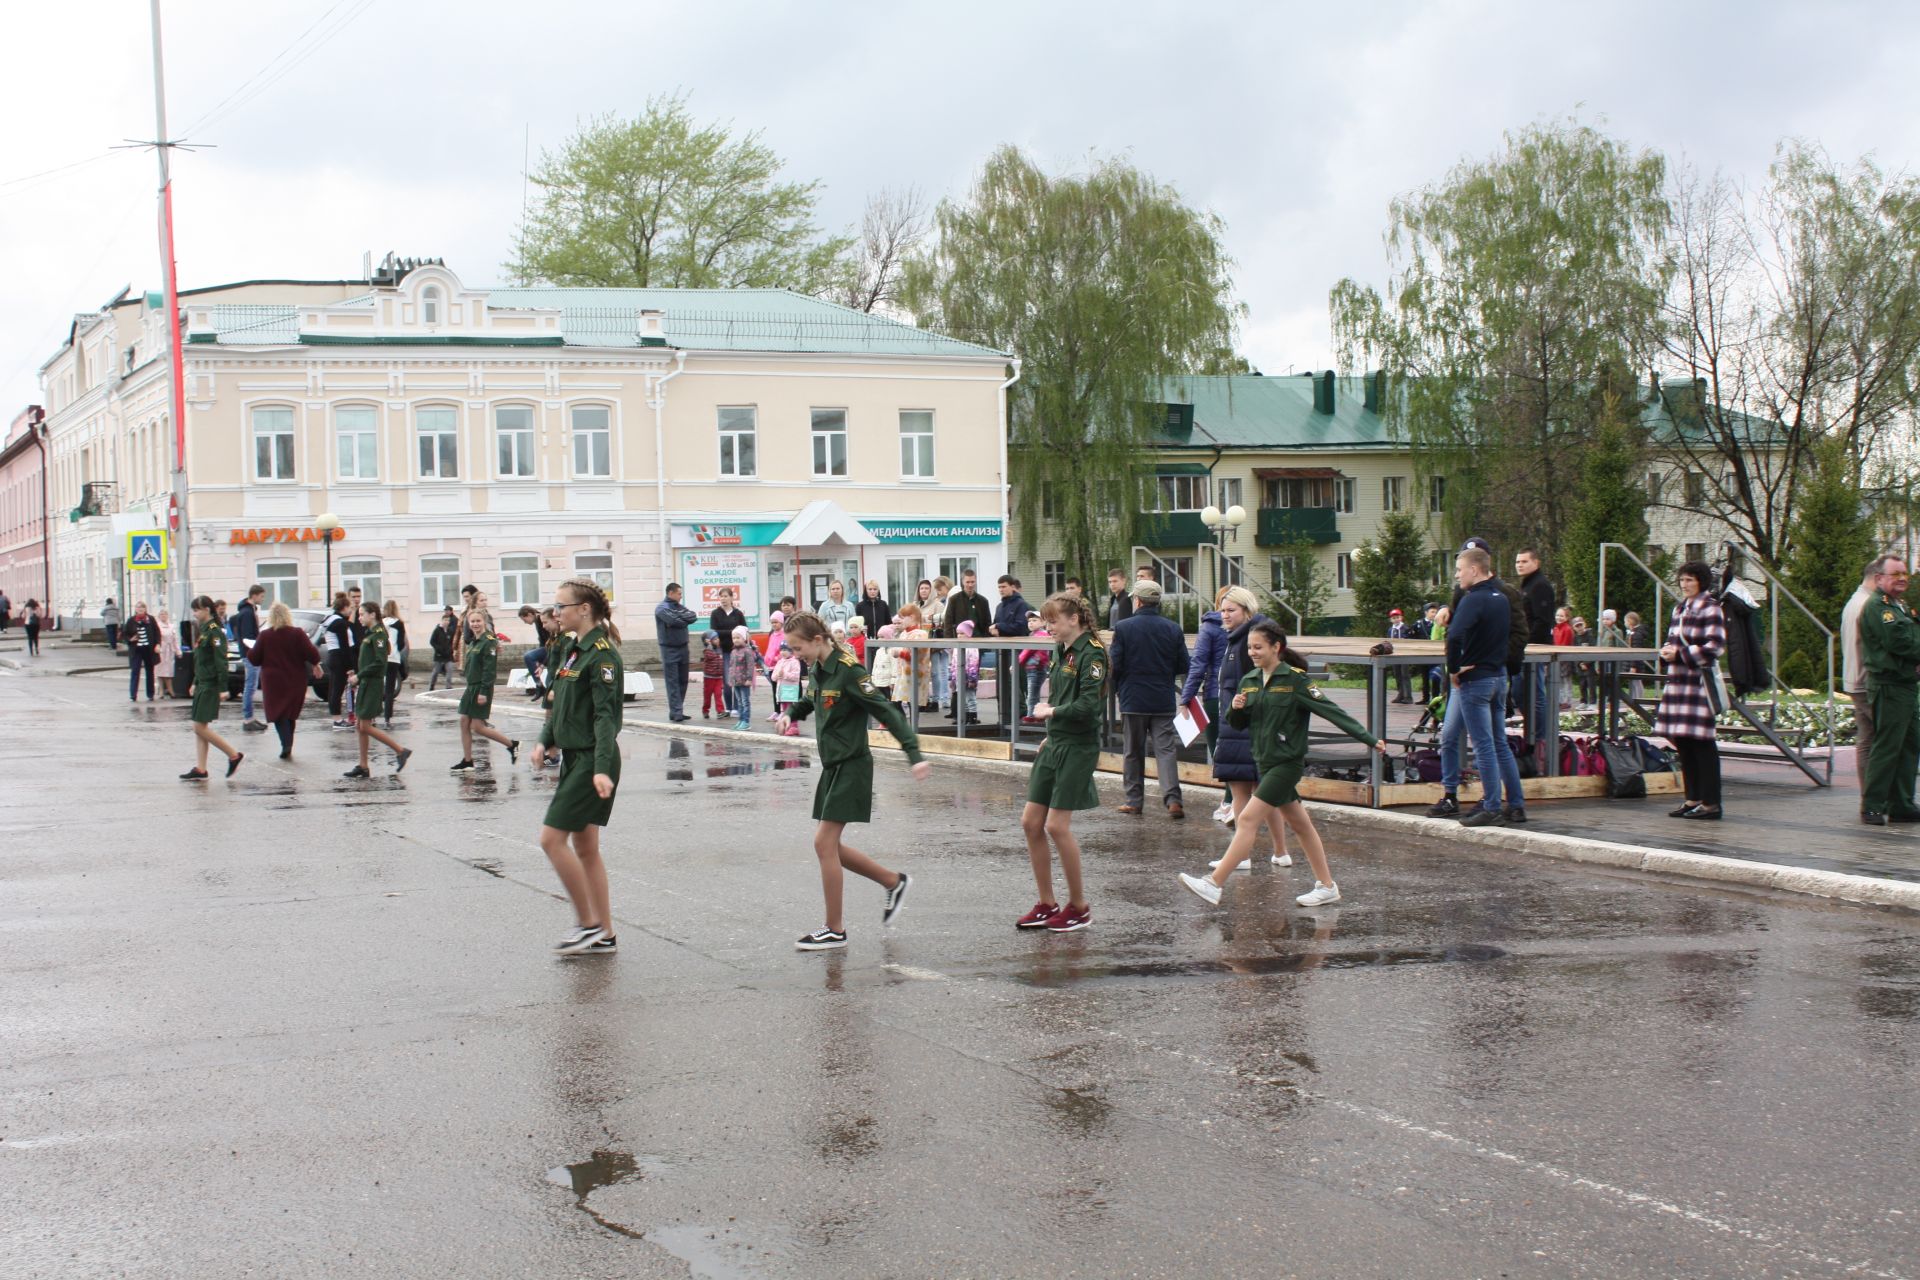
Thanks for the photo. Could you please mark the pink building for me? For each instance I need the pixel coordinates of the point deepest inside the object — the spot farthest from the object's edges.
(25, 568)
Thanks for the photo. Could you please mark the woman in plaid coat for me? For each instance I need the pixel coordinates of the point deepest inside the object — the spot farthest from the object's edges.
(1695, 639)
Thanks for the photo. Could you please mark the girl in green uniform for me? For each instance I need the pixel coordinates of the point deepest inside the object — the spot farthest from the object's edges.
(587, 683)
(369, 683)
(209, 691)
(844, 694)
(476, 704)
(1062, 777)
(1277, 701)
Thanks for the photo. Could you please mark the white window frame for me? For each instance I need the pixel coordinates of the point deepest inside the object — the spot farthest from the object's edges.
(902, 581)
(282, 587)
(1393, 492)
(1343, 495)
(1179, 493)
(421, 434)
(341, 434)
(1343, 571)
(531, 433)
(730, 437)
(1229, 490)
(586, 564)
(1442, 566)
(350, 580)
(1436, 495)
(822, 440)
(513, 580)
(1053, 576)
(916, 446)
(586, 435)
(430, 304)
(439, 585)
(290, 433)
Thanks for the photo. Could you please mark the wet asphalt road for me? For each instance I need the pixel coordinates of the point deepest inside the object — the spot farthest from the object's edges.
(296, 1026)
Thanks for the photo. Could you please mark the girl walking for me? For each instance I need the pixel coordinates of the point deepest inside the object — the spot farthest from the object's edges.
(1273, 702)
(589, 682)
(1062, 778)
(476, 704)
(442, 642)
(840, 689)
(1233, 762)
(744, 669)
(33, 628)
(209, 690)
(369, 682)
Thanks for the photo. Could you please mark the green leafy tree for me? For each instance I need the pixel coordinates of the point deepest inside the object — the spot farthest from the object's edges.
(1391, 572)
(1103, 284)
(1303, 585)
(1611, 507)
(1514, 281)
(1833, 539)
(662, 200)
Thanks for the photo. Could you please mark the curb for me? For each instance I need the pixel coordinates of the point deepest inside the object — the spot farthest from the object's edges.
(1873, 891)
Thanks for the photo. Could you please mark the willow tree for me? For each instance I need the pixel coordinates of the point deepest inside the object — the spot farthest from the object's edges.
(1103, 283)
(1513, 282)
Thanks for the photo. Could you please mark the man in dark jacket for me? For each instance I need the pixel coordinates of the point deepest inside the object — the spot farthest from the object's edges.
(670, 622)
(246, 631)
(1009, 619)
(1148, 659)
(1478, 639)
(1541, 606)
(1119, 603)
(966, 605)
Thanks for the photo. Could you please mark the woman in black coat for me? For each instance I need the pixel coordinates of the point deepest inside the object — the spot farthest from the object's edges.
(1233, 749)
(873, 609)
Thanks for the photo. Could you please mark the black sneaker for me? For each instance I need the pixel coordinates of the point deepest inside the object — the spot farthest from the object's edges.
(896, 898)
(821, 940)
(462, 767)
(580, 940)
(1870, 818)
(356, 772)
(1484, 818)
(513, 757)
(1516, 815)
(606, 946)
(233, 761)
(194, 775)
(1444, 807)
(400, 761)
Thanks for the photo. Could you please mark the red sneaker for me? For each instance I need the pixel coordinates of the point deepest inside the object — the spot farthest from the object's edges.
(1066, 919)
(1038, 917)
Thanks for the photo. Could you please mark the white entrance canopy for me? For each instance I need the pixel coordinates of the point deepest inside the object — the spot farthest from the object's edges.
(824, 524)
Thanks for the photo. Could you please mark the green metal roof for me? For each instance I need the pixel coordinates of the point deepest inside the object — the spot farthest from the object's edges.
(1248, 411)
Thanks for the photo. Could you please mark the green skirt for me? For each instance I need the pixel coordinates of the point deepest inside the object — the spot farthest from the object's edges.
(1062, 776)
(206, 704)
(369, 698)
(470, 704)
(576, 805)
(1279, 785)
(845, 793)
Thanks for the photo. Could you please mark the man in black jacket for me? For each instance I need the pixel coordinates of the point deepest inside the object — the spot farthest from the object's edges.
(670, 622)
(1478, 640)
(1009, 620)
(1541, 606)
(1119, 603)
(1148, 659)
(246, 631)
(966, 605)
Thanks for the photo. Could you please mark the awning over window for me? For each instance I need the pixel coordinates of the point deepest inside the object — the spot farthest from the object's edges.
(1179, 469)
(1299, 473)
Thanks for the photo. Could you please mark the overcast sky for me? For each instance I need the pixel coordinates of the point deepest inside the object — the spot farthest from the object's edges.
(399, 124)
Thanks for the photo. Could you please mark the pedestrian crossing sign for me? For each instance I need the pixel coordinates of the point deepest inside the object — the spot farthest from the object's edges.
(147, 549)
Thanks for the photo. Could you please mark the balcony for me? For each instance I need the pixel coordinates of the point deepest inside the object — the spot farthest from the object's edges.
(1279, 526)
(1172, 529)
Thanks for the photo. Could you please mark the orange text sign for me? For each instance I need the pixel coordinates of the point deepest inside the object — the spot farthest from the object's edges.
(281, 535)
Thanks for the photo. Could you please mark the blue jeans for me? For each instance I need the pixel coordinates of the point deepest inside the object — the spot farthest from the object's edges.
(1485, 711)
(251, 674)
(1529, 690)
(742, 701)
(1035, 675)
(1453, 741)
(942, 658)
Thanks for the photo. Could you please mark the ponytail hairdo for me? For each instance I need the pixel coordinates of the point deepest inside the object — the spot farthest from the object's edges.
(1276, 635)
(589, 593)
(1074, 607)
(199, 602)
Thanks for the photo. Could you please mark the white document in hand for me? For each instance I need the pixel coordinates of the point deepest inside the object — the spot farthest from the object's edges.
(1190, 721)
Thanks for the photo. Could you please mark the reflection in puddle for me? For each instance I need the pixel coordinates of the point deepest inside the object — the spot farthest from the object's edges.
(1260, 966)
(601, 1169)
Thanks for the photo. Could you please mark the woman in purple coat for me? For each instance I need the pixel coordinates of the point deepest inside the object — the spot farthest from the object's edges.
(1695, 638)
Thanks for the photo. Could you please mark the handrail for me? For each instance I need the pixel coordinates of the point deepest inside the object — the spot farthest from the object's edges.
(1168, 571)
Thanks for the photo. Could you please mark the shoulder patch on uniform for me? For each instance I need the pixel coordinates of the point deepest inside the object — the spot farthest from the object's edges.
(1097, 669)
(866, 686)
(606, 675)
(1313, 689)
(1887, 616)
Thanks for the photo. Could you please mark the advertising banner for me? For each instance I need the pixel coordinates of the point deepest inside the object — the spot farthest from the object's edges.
(703, 573)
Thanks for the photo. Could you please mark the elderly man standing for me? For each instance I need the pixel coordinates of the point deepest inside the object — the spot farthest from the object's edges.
(1853, 676)
(1148, 659)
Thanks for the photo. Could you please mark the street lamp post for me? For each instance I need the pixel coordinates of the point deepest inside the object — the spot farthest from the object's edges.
(1222, 522)
(328, 524)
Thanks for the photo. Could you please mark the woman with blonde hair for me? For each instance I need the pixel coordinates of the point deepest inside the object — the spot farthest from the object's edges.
(286, 657)
(936, 662)
(1233, 754)
(169, 653)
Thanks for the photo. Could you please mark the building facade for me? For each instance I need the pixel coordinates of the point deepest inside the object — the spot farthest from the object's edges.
(26, 521)
(511, 438)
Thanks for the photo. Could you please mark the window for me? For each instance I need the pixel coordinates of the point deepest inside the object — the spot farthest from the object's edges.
(736, 442)
(430, 305)
(1054, 576)
(513, 430)
(1655, 483)
(1694, 551)
(439, 443)
(1393, 492)
(1343, 496)
(1284, 570)
(356, 442)
(829, 442)
(951, 567)
(1654, 551)
(281, 578)
(273, 444)
(592, 440)
(916, 444)
(1294, 491)
(1049, 500)
(440, 582)
(597, 565)
(364, 574)
(519, 581)
(1436, 494)
(903, 579)
(1229, 493)
(1343, 571)
(1182, 493)
(1696, 489)
(1179, 571)
(1442, 566)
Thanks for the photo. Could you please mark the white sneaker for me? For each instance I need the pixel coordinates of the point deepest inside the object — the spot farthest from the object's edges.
(1321, 895)
(1206, 890)
(1224, 813)
(580, 940)
(1282, 859)
(1244, 866)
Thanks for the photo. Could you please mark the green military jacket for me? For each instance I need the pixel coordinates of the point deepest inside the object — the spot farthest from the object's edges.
(589, 687)
(482, 662)
(1276, 714)
(210, 657)
(1077, 690)
(373, 655)
(840, 689)
(1889, 641)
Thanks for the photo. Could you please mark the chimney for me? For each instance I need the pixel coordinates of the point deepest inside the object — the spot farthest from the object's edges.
(1375, 390)
(653, 328)
(1323, 392)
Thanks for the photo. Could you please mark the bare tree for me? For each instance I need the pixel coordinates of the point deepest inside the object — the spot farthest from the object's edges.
(894, 227)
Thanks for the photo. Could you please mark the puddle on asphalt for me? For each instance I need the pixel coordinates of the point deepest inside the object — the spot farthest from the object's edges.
(1262, 966)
